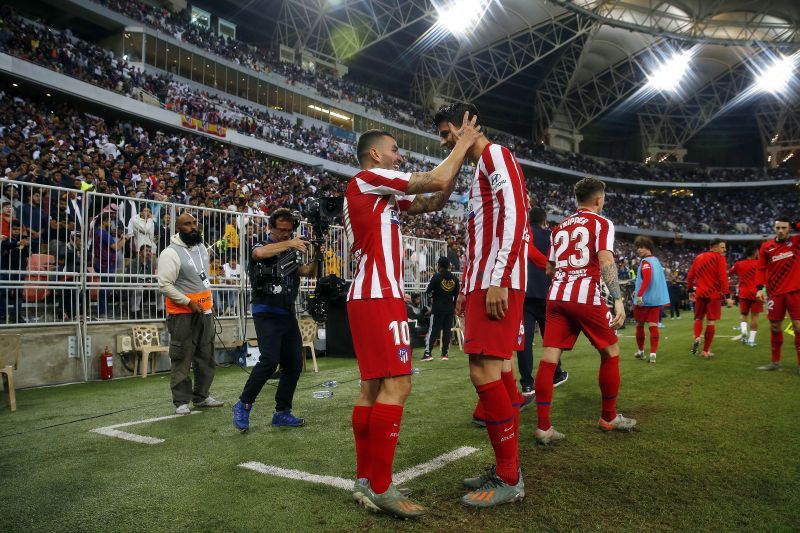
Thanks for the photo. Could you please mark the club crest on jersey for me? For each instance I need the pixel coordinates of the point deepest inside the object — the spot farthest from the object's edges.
(402, 354)
(496, 180)
(394, 216)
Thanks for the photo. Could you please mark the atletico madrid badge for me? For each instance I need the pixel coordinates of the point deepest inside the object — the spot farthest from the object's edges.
(402, 354)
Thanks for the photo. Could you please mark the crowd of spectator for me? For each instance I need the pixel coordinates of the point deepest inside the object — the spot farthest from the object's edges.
(65, 53)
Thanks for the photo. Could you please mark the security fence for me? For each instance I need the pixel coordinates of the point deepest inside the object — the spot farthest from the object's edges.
(86, 258)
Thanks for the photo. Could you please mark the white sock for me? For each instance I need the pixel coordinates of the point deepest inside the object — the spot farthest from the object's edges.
(743, 327)
(753, 335)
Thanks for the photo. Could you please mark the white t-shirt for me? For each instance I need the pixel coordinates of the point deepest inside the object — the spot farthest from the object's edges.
(232, 273)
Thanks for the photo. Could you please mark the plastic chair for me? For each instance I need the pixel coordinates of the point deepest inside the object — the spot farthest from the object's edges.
(458, 332)
(8, 362)
(147, 341)
(308, 331)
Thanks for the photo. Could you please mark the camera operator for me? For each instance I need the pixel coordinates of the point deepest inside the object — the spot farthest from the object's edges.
(278, 333)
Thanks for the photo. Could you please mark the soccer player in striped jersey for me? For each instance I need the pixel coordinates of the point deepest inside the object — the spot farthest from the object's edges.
(708, 280)
(376, 311)
(749, 304)
(493, 291)
(582, 252)
(778, 284)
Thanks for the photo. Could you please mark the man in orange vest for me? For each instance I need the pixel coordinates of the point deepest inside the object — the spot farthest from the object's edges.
(183, 280)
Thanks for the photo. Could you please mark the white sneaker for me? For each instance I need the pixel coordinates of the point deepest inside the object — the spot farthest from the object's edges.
(652, 358)
(209, 402)
(551, 436)
(639, 354)
(183, 409)
(620, 423)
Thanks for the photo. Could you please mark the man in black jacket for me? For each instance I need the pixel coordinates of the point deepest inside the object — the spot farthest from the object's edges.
(535, 304)
(443, 288)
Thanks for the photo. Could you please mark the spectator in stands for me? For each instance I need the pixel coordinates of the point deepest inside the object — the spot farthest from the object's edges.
(142, 229)
(142, 268)
(104, 249)
(33, 217)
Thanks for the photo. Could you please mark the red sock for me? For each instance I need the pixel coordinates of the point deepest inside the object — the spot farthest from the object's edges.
(653, 339)
(479, 412)
(361, 414)
(776, 340)
(609, 386)
(500, 425)
(513, 393)
(544, 392)
(797, 346)
(640, 336)
(698, 328)
(709, 337)
(384, 428)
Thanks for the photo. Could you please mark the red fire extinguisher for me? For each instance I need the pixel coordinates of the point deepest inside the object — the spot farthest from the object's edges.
(106, 364)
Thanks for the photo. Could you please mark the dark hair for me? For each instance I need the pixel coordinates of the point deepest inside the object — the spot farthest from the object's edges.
(443, 262)
(783, 218)
(537, 215)
(281, 213)
(588, 188)
(367, 140)
(751, 250)
(454, 113)
(644, 242)
(716, 241)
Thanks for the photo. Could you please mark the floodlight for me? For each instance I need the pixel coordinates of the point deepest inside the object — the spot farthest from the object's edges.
(668, 75)
(460, 16)
(775, 78)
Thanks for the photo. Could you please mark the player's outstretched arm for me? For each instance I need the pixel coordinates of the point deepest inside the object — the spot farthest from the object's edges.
(441, 177)
(610, 275)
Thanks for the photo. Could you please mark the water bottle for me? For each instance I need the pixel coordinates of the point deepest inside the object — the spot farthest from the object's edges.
(415, 370)
(320, 394)
(330, 384)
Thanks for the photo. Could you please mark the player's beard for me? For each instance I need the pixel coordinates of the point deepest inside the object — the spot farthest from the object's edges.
(192, 238)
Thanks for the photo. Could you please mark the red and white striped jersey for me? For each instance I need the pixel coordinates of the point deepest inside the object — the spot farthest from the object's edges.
(372, 205)
(574, 247)
(497, 223)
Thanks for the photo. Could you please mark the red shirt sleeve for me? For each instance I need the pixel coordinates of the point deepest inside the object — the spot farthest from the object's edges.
(761, 269)
(647, 275)
(691, 275)
(723, 274)
(535, 256)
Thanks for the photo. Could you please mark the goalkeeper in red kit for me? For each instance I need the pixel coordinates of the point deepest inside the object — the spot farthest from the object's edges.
(778, 284)
(708, 280)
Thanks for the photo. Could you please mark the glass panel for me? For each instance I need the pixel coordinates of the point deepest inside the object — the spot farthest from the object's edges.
(132, 47)
(185, 64)
(172, 55)
(226, 29)
(210, 73)
(200, 17)
(150, 50)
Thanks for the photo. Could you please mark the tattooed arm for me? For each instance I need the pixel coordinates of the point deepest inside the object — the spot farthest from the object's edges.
(432, 202)
(610, 275)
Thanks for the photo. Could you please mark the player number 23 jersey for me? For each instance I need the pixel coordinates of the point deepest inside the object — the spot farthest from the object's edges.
(574, 247)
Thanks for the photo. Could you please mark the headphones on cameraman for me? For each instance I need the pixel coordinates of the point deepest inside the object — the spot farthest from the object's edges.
(284, 213)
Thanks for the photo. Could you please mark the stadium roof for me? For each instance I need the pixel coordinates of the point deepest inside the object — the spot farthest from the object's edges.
(529, 63)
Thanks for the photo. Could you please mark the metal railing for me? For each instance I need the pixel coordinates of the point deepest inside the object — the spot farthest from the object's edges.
(87, 258)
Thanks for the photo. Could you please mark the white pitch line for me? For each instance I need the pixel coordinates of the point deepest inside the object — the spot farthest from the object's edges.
(112, 431)
(347, 484)
(434, 464)
(333, 481)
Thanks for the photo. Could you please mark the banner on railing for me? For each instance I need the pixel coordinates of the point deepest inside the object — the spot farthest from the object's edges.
(199, 125)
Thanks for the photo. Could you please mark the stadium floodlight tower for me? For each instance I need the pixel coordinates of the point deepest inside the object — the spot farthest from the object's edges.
(460, 17)
(775, 77)
(667, 75)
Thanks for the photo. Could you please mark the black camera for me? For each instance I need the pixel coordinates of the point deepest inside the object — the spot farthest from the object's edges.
(322, 212)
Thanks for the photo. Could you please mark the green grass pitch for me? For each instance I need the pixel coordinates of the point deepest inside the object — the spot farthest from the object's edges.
(718, 450)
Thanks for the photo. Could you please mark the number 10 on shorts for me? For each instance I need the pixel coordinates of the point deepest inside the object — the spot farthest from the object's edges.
(402, 335)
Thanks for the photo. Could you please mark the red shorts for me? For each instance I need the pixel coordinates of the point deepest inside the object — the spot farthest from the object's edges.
(381, 337)
(642, 313)
(778, 305)
(747, 305)
(498, 338)
(565, 320)
(709, 308)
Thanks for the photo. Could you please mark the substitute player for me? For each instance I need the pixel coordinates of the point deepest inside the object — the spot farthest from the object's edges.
(378, 320)
(708, 280)
(492, 294)
(651, 295)
(582, 252)
(749, 304)
(778, 278)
